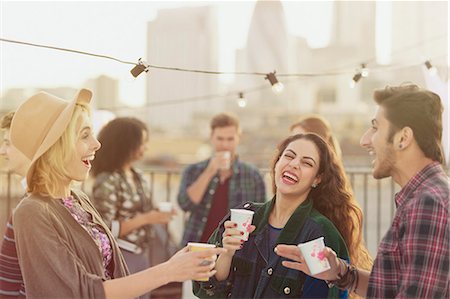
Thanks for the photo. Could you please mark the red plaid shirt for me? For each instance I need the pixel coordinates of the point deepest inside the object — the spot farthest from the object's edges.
(413, 258)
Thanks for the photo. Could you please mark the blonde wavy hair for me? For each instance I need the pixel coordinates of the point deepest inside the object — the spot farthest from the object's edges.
(49, 169)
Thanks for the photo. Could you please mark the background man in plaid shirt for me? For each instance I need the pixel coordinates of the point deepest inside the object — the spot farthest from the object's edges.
(210, 188)
(414, 256)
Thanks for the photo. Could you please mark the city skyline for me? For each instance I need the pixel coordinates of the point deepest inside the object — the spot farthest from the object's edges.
(116, 29)
(84, 26)
(181, 36)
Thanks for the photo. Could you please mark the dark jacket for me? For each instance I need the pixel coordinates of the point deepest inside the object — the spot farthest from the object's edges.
(253, 276)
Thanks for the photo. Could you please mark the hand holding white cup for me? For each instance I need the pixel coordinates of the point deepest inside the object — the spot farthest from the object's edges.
(225, 159)
(165, 206)
(243, 218)
(312, 252)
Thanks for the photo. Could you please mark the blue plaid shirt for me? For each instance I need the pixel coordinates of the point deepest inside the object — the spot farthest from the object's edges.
(246, 184)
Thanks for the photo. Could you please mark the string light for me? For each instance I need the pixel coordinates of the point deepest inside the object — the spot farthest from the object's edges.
(277, 86)
(242, 101)
(364, 70)
(431, 68)
(355, 80)
(148, 66)
(142, 66)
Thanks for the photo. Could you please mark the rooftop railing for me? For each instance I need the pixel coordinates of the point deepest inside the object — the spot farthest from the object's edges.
(376, 198)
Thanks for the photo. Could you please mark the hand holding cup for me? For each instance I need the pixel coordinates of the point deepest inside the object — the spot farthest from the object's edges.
(298, 262)
(156, 217)
(196, 247)
(224, 160)
(165, 206)
(243, 219)
(312, 251)
(188, 265)
(232, 237)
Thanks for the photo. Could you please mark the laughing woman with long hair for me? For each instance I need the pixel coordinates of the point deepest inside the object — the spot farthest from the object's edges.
(312, 199)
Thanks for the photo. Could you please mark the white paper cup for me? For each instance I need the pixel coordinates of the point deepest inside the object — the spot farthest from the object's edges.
(243, 219)
(200, 247)
(165, 206)
(226, 156)
(312, 252)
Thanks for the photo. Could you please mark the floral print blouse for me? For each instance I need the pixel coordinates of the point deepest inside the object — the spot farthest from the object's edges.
(96, 232)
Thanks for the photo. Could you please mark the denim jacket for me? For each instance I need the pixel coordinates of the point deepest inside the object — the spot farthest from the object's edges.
(253, 276)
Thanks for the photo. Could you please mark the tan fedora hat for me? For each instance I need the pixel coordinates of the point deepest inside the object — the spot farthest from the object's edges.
(41, 120)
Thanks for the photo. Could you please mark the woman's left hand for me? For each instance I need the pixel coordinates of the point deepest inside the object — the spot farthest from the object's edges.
(157, 217)
(298, 262)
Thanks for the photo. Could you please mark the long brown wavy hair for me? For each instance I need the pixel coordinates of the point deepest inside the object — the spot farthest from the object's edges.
(334, 198)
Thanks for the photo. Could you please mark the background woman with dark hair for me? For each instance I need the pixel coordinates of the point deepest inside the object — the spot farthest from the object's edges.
(121, 193)
(319, 125)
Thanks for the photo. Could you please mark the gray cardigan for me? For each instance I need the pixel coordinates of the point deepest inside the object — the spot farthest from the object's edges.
(58, 258)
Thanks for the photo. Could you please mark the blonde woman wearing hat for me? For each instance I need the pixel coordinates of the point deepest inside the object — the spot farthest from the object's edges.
(65, 249)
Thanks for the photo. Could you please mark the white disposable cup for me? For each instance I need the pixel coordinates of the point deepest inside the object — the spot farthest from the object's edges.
(312, 252)
(243, 218)
(165, 206)
(226, 156)
(200, 247)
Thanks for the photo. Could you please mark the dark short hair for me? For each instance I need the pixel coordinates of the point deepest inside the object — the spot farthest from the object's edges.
(6, 120)
(224, 120)
(120, 139)
(408, 105)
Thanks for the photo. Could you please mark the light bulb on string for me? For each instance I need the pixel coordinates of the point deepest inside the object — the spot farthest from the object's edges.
(432, 69)
(355, 80)
(242, 101)
(364, 70)
(277, 86)
(140, 67)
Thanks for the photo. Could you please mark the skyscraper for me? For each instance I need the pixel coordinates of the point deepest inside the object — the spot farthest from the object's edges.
(182, 38)
(266, 50)
(105, 92)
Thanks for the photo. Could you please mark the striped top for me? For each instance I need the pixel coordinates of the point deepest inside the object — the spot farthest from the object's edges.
(11, 280)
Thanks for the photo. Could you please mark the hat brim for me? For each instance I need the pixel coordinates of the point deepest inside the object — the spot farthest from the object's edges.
(58, 127)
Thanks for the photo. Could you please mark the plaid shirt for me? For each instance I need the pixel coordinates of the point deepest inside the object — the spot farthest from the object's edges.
(414, 256)
(246, 184)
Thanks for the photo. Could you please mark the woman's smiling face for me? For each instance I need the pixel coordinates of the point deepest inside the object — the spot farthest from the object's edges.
(297, 168)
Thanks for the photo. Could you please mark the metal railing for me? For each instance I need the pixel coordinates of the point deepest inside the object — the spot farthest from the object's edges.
(374, 196)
